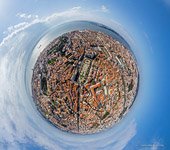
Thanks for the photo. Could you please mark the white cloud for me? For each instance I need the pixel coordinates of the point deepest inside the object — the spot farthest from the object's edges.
(75, 11)
(26, 16)
(125, 136)
(16, 27)
(113, 139)
(157, 145)
(104, 8)
(13, 30)
(76, 8)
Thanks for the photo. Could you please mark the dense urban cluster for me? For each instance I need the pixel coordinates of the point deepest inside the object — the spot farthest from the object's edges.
(84, 81)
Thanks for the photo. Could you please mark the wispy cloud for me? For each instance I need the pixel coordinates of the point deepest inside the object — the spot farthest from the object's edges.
(113, 139)
(16, 27)
(157, 145)
(125, 136)
(26, 16)
(13, 30)
(104, 9)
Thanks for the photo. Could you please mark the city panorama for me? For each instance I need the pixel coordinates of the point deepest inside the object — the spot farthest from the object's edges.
(84, 81)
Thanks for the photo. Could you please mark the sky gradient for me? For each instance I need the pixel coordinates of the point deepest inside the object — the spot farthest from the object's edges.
(145, 25)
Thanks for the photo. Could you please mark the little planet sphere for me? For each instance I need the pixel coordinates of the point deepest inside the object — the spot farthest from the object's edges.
(84, 81)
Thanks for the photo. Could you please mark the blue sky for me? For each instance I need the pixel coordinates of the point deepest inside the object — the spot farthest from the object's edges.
(144, 24)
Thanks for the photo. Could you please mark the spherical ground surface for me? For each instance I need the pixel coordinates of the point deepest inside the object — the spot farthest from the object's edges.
(84, 81)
